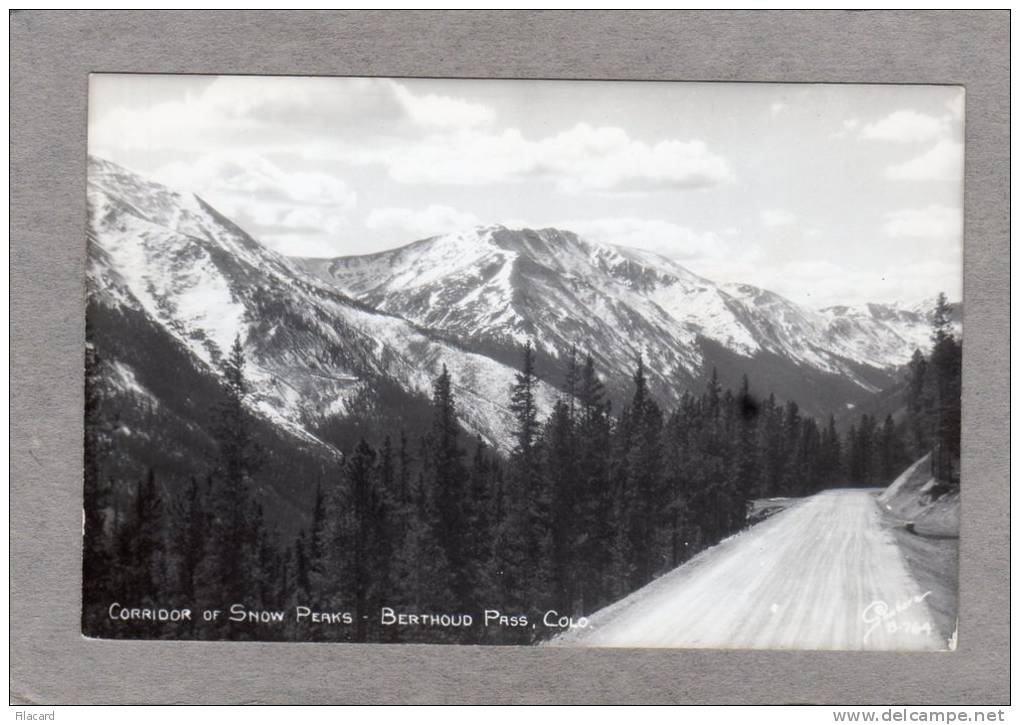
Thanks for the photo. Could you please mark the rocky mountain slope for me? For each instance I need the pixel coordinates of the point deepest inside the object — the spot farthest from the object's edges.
(359, 338)
(314, 354)
(495, 287)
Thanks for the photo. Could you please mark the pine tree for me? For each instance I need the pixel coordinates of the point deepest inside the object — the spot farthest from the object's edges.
(854, 471)
(189, 525)
(560, 469)
(524, 409)
(403, 473)
(387, 470)
(147, 561)
(408, 526)
(637, 482)
(891, 451)
(447, 479)
(918, 402)
(946, 364)
(298, 570)
(525, 537)
(773, 449)
(572, 382)
(480, 534)
(393, 526)
(621, 563)
(793, 473)
(810, 455)
(941, 324)
(240, 454)
(364, 556)
(675, 464)
(318, 542)
(422, 572)
(97, 546)
(745, 463)
(225, 573)
(260, 555)
(143, 573)
(832, 455)
(643, 497)
(595, 494)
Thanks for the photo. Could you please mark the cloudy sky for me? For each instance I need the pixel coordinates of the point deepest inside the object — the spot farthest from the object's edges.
(824, 193)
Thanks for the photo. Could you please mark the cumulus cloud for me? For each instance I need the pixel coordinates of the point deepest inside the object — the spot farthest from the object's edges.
(777, 218)
(304, 112)
(462, 159)
(431, 220)
(416, 136)
(655, 235)
(440, 111)
(606, 158)
(280, 157)
(250, 175)
(582, 158)
(934, 221)
(296, 210)
(942, 162)
(906, 126)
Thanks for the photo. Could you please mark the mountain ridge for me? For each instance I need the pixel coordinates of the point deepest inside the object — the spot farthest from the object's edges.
(505, 286)
(323, 335)
(312, 351)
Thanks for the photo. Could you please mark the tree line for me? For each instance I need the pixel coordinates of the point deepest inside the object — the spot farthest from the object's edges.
(587, 506)
(934, 396)
(929, 419)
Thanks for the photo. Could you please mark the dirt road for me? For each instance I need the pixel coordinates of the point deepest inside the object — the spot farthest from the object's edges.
(823, 574)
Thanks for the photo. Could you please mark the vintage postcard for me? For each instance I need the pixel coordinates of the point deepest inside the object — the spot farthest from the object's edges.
(557, 363)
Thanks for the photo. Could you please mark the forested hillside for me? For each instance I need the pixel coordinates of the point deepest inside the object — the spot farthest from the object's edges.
(591, 503)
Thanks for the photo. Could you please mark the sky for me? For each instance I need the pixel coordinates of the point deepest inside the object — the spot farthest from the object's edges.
(826, 194)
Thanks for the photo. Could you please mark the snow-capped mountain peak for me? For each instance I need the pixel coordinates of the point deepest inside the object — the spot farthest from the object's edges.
(312, 352)
(322, 333)
(504, 286)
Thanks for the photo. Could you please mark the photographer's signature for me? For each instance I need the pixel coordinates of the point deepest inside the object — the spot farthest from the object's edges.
(881, 614)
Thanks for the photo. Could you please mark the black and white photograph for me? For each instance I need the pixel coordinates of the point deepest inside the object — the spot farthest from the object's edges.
(523, 362)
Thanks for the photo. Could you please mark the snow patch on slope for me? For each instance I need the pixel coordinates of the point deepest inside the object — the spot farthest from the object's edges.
(311, 352)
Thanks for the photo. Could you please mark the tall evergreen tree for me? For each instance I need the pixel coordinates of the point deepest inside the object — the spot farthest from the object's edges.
(447, 479)
(560, 469)
(918, 402)
(97, 546)
(230, 557)
(525, 534)
(744, 459)
(946, 364)
(240, 454)
(773, 449)
(595, 494)
(480, 533)
(831, 454)
(644, 496)
(317, 544)
(364, 547)
(525, 409)
(147, 565)
(189, 526)
(892, 458)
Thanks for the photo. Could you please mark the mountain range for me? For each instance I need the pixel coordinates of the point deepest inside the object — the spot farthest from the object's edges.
(499, 287)
(361, 338)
